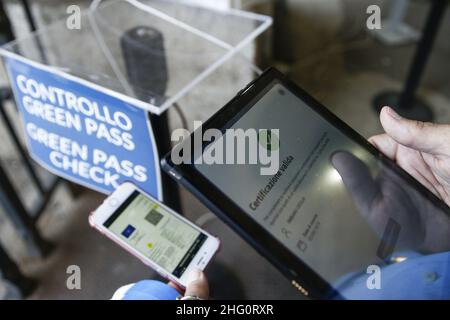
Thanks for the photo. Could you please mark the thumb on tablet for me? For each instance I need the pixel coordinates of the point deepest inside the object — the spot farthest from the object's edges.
(357, 178)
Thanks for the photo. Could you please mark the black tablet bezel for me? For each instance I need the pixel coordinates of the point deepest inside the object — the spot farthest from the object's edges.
(290, 265)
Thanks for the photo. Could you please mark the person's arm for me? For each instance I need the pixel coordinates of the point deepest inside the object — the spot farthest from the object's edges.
(197, 288)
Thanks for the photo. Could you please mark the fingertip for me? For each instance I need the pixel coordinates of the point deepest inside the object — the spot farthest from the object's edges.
(375, 140)
(385, 109)
(385, 144)
(334, 155)
(337, 157)
(388, 115)
(389, 111)
(392, 122)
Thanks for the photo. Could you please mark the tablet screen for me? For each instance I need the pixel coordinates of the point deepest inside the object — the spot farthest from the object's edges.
(345, 213)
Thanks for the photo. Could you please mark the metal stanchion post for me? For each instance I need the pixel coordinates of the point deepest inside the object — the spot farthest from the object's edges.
(407, 103)
(18, 214)
(5, 94)
(11, 272)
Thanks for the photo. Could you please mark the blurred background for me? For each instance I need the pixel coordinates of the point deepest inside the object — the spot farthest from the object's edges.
(325, 46)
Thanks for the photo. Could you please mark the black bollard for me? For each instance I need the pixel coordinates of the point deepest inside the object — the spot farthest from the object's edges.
(145, 61)
(407, 103)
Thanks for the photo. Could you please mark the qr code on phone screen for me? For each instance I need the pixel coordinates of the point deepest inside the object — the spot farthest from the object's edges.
(154, 217)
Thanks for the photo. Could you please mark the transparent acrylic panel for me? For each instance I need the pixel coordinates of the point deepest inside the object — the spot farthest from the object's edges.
(153, 52)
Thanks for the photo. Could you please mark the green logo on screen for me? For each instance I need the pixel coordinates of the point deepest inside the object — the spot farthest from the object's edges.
(268, 140)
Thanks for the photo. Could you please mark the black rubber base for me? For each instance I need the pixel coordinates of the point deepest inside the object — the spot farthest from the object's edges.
(419, 110)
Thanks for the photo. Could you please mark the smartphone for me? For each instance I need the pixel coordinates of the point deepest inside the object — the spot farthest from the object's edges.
(154, 233)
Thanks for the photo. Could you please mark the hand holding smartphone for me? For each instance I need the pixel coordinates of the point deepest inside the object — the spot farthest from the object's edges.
(158, 236)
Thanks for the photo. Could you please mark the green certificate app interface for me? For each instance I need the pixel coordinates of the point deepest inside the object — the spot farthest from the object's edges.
(156, 233)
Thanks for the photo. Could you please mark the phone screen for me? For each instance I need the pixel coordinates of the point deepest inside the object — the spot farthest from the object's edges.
(155, 232)
(332, 203)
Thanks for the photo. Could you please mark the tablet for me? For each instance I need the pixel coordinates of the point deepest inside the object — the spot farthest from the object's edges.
(334, 215)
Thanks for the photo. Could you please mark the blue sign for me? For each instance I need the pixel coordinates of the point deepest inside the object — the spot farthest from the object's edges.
(82, 132)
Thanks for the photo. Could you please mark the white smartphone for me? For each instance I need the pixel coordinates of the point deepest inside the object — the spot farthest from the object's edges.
(158, 236)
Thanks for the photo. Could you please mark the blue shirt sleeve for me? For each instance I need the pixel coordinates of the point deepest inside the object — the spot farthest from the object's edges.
(418, 277)
(151, 290)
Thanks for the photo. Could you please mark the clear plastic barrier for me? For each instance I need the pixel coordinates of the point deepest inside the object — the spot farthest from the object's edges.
(182, 44)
